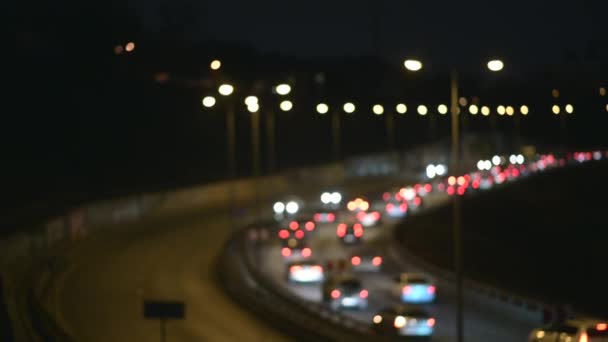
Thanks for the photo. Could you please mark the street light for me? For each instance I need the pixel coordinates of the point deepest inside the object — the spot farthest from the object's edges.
(401, 108)
(349, 107)
(322, 108)
(501, 110)
(442, 109)
(524, 110)
(473, 109)
(412, 64)
(286, 105)
(283, 89)
(555, 109)
(251, 100)
(422, 110)
(510, 111)
(569, 109)
(226, 89)
(485, 110)
(496, 65)
(215, 64)
(130, 47)
(378, 109)
(208, 101)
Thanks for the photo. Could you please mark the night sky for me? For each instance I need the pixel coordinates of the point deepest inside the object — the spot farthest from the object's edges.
(535, 32)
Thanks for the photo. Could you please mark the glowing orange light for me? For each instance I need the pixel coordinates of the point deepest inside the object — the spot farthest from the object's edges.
(130, 47)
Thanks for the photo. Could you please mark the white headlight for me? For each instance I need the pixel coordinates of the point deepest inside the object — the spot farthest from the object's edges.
(278, 207)
(336, 198)
(440, 169)
(431, 171)
(292, 207)
(326, 197)
(481, 165)
(512, 159)
(520, 159)
(496, 160)
(488, 165)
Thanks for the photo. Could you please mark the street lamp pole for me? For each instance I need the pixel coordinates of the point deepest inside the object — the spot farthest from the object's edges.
(456, 207)
(335, 133)
(390, 129)
(231, 140)
(270, 141)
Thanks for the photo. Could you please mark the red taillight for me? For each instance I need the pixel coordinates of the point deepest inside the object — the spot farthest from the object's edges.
(376, 215)
(317, 268)
(355, 260)
(398, 196)
(461, 190)
(341, 231)
(363, 294)
(583, 338)
(299, 234)
(317, 217)
(293, 225)
(331, 217)
(417, 201)
(430, 322)
(286, 251)
(386, 196)
(358, 230)
(283, 234)
(407, 290)
(461, 180)
(306, 252)
(476, 184)
(335, 294)
(377, 261)
(296, 268)
(310, 226)
(601, 327)
(428, 187)
(361, 216)
(403, 206)
(431, 289)
(450, 190)
(515, 173)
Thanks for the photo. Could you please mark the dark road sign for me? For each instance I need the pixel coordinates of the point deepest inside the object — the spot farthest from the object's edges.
(154, 309)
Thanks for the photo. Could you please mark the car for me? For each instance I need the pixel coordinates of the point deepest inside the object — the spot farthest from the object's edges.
(368, 218)
(307, 271)
(325, 216)
(294, 249)
(344, 291)
(350, 234)
(366, 262)
(307, 225)
(414, 288)
(577, 330)
(403, 321)
(287, 208)
(396, 209)
(358, 204)
(286, 234)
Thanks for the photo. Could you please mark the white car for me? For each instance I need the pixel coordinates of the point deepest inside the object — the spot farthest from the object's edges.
(582, 330)
(366, 262)
(305, 272)
(414, 288)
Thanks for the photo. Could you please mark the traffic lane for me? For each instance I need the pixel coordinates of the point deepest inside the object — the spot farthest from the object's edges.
(101, 297)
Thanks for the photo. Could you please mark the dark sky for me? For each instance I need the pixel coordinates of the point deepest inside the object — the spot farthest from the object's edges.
(537, 31)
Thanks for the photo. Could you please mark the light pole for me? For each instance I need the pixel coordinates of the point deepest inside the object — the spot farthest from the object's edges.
(493, 65)
(282, 90)
(226, 90)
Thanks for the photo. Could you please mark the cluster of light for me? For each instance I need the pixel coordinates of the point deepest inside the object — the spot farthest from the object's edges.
(215, 64)
(412, 65)
(484, 165)
(516, 159)
(349, 107)
(569, 109)
(251, 100)
(322, 108)
(442, 109)
(333, 197)
(510, 111)
(473, 109)
(358, 203)
(422, 110)
(399, 322)
(208, 101)
(378, 109)
(496, 160)
(524, 110)
(283, 89)
(286, 105)
(254, 107)
(485, 110)
(555, 109)
(401, 108)
(225, 89)
(435, 170)
(496, 65)
(501, 110)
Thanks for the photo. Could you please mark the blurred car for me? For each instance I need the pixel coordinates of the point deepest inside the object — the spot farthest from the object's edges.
(396, 209)
(287, 208)
(366, 262)
(295, 249)
(307, 225)
(350, 234)
(414, 288)
(344, 291)
(286, 234)
(358, 204)
(403, 321)
(305, 272)
(584, 330)
(325, 216)
(368, 218)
